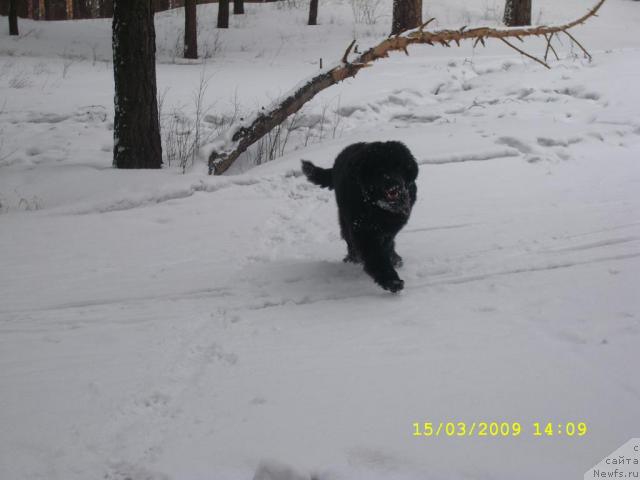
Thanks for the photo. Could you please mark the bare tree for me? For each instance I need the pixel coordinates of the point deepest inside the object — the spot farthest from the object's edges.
(313, 12)
(406, 14)
(223, 14)
(13, 17)
(517, 13)
(136, 128)
(190, 29)
(238, 7)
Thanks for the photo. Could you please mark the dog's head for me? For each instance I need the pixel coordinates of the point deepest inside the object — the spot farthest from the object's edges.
(387, 177)
(390, 193)
(387, 191)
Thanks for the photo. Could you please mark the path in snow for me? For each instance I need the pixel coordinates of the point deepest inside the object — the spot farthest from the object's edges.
(518, 304)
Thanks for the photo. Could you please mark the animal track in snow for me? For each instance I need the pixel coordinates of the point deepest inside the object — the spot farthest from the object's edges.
(127, 471)
(558, 142)
(513, 142)
(598, 244)
(576, 92)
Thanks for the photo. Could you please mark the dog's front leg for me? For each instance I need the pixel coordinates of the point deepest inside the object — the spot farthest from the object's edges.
(378, 263)
(390, 248)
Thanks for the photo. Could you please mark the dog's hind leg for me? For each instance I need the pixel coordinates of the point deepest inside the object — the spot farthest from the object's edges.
(377, 262)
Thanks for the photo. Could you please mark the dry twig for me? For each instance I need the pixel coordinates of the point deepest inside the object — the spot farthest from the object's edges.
(549, 38)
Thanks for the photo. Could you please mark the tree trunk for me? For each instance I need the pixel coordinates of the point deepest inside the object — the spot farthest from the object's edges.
(136, 128)
(407, 14)
(517, 13)
(162, 5)
(106, 8)
(13, 17)
(56, 9)
(238, 7)
(313, 12)
(223, 14)
(82, 9)
(69, 9)
(190, 30)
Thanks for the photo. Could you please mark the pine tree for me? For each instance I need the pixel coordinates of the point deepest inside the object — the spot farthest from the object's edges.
(83, 9)
(106, 8)
(313, 12)
(13, 17)
(407, 14)
(136, 128)
(517, 13)
(223, 14)
(190, 30)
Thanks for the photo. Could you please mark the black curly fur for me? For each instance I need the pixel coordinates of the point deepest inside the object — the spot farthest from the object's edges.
(375, 192)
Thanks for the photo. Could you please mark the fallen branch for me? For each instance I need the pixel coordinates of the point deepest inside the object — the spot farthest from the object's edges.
(228, 149)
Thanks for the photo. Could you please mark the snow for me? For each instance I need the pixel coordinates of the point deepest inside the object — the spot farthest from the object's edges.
(157, 325)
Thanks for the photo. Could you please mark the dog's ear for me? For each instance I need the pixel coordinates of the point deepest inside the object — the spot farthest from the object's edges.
(407, 163)
(411, 169)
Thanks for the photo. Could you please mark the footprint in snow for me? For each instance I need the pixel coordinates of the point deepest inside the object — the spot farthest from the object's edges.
(127, 471)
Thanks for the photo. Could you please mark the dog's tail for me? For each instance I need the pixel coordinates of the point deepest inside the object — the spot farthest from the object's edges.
(320, 176)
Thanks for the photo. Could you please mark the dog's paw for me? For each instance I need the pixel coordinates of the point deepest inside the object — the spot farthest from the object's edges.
(396, 260)
(394, 285)
(350, 258)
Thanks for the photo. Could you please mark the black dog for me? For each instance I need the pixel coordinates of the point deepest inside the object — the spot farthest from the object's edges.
(375, 191)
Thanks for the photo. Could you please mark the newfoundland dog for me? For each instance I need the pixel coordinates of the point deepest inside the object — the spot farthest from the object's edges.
(375, 191)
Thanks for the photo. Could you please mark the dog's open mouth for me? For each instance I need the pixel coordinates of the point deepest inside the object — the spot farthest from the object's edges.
(392, 194)
(394, 201)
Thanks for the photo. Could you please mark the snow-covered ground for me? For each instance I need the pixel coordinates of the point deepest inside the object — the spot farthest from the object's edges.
(160, 325)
